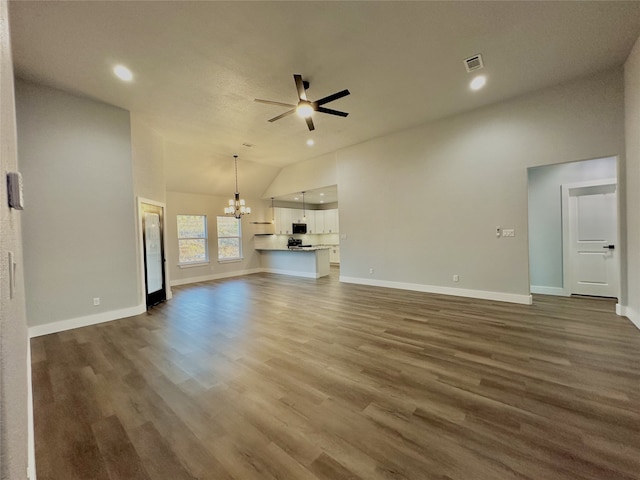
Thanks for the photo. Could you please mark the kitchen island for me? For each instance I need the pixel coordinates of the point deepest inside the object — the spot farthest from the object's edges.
(308, 262)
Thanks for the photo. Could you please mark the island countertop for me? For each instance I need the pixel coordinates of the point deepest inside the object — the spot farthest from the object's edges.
(295, 249)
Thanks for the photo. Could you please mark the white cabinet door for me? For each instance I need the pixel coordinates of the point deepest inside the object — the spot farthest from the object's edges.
(331, 221)
(296, 215)
(311, 221)
(334, 254)
(319, 218)
(283, 221)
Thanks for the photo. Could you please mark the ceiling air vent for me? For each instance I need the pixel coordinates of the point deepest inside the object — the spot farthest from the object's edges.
(473, 63)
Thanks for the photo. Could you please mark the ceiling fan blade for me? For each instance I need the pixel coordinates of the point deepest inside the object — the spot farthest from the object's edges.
(289, 112)
(269, 102)
(331, 112)
(300, 86)
(333, 97)
(310, 124)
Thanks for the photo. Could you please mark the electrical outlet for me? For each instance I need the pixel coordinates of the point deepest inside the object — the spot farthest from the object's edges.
(456, 278)
(508, 232)
(371, 271)
(96, 301)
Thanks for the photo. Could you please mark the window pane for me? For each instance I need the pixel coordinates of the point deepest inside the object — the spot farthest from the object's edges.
(228, 227)
(228, 248)
(192, 226)
(192, 250)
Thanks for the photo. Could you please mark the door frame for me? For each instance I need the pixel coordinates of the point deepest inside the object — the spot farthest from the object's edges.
(139, 228)
(566, 231)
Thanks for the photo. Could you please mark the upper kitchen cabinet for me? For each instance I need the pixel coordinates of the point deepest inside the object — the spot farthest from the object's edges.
(283, 221)
(318, 221)
(330, 221)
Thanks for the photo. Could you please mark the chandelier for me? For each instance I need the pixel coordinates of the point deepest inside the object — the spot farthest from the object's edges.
(237, 206)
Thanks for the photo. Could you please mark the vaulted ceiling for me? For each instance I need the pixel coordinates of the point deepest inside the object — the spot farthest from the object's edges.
(199, 65)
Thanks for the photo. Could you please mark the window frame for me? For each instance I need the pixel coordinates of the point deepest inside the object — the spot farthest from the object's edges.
(240, 256)
(196, 263)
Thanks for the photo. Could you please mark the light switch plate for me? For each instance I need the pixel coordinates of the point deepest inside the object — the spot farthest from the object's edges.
(508, 232)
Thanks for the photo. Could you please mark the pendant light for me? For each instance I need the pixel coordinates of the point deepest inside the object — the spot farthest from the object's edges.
(304, 210)
(273, 212)
(237, 207)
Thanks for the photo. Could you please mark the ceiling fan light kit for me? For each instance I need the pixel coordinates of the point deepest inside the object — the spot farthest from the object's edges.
(305, 108)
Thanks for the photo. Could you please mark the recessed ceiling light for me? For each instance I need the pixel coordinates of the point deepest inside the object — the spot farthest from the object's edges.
(321, 201)
(310, 142)
(322, 194)
(123, 73)
(478, 82)
(296, 198)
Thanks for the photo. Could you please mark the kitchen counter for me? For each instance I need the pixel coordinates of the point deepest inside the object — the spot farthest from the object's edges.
(294, 249)
(308, 262)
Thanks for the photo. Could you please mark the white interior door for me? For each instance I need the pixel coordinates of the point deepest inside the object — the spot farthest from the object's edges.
(593, 240)
(153, 249)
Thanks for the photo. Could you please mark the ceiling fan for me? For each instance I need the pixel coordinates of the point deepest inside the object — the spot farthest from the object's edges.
(305, 107)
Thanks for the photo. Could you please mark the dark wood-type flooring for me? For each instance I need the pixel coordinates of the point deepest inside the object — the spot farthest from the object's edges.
(272, 377)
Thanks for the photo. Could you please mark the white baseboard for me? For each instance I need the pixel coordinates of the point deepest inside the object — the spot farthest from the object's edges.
(31, 443)
(458, 292)
(556, 291)
(630, 313)
(215, 276)
(291, 273)
(62, 325)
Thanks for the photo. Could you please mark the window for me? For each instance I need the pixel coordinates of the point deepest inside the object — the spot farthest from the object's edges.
(229, 239)
(192, 239)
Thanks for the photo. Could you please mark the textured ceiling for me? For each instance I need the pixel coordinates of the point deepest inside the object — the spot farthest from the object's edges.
(199, 65)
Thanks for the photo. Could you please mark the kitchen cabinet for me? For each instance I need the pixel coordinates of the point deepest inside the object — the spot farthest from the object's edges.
(297, 215)
(331, 221)
(311, 221)
(334, 254)
(283, 221)
(318, 221)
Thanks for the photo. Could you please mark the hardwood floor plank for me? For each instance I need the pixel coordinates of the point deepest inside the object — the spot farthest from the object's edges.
(121, 459)
(273, 377)
(158, 458)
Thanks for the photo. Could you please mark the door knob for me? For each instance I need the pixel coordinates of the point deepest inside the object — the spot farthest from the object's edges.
(610, 247)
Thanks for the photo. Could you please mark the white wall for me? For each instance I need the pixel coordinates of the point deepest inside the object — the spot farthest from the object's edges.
(632, 177)
(211, 206)
(545, 216)
(147, 152)
(13, 327)
(308, 175)
(421, 205)
(149, 183)
(79, 223)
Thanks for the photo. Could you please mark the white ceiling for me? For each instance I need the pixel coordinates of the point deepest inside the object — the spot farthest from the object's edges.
(199, 65)
(317, 196)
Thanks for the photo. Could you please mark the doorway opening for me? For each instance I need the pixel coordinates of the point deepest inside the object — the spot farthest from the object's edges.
(574, 228)
(152, 232)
